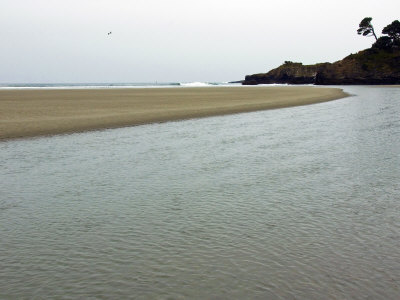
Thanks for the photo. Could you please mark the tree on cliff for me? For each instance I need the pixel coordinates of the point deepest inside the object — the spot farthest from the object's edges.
(366, 28)
(384, 42)
(393, 31)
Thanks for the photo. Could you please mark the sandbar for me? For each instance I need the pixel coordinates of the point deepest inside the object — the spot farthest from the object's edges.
(37, 112)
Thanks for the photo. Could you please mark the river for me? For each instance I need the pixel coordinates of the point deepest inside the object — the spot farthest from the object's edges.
(294, 203)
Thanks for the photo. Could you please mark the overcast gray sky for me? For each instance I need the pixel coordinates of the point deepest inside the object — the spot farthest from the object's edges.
(176, 40)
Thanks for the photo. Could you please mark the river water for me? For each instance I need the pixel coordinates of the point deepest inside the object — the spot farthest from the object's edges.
(295, 203)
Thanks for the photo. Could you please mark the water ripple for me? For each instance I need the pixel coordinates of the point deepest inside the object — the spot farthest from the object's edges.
(298, 203)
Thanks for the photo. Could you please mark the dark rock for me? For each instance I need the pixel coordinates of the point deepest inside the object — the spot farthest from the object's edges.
(371, 66)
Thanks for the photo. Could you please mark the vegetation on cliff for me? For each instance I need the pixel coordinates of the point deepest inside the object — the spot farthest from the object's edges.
(366, 29)
(379, 64)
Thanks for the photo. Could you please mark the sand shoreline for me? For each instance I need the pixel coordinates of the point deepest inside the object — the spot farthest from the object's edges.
(32, 112)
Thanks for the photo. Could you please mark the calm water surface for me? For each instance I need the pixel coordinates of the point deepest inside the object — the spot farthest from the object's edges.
(296, 203)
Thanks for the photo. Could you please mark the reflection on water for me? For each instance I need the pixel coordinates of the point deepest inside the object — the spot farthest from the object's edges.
(296, 203)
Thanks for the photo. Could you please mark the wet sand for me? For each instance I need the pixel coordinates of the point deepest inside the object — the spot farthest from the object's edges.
(36, 112)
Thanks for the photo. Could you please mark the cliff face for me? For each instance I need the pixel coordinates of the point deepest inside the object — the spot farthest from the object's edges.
(370, 66)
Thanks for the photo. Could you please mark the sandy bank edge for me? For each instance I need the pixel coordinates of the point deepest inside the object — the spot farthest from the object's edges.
(32, 113)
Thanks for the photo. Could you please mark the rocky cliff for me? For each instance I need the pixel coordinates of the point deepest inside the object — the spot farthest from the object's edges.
(370, 66)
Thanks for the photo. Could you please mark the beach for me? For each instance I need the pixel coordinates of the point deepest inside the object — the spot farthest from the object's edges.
(38, 112)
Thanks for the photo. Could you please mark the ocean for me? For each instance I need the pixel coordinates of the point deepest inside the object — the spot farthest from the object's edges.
(111, 85)
(294, 203)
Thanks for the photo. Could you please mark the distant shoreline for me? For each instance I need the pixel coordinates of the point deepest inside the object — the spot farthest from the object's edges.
(39, 112)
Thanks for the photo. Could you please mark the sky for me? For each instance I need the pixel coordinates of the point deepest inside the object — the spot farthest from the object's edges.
(59, 41)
